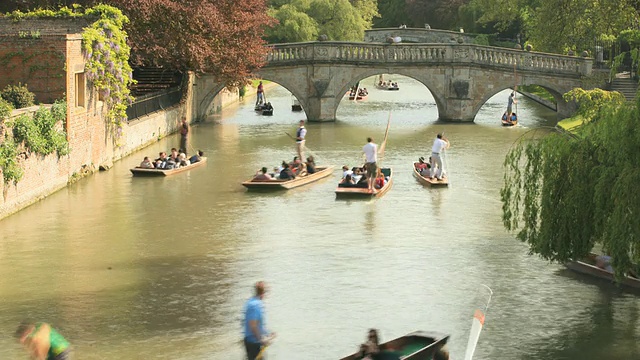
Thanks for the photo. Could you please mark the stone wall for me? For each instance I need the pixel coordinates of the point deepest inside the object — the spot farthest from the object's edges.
(43, 175)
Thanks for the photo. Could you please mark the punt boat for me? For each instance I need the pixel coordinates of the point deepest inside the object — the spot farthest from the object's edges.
(138, 171)
(276, 184)
(360, 191)
(418, 345)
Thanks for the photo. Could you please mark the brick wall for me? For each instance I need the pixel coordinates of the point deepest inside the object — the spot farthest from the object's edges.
(91, 137)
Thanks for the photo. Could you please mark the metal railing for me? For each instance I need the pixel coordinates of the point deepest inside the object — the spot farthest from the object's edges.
(151, 103)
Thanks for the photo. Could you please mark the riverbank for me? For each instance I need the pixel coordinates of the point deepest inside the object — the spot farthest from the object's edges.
(539, 95)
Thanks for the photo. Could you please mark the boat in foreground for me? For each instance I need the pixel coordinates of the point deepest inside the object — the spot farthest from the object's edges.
(425, 180)
(138, 171)
(275, 184)
(355, 190)
(418, 345)
(588, 266)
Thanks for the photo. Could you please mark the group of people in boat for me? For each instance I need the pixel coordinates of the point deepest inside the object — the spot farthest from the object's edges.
(175, 159)
(510, 118)
(264, 106)
(287, 171)
(387, 84)
(359, 176)
(372, 349)
(362, 92)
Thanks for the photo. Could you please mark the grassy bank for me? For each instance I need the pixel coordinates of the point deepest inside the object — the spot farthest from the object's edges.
(571, 124)
(539, 91)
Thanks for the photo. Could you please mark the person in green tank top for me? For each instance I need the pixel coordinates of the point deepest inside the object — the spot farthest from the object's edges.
(43, 342)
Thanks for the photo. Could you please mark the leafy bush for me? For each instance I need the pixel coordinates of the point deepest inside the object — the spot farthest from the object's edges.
(5, 109)
(18, 95)
(11, 170)
(482, 39)
(39, 132)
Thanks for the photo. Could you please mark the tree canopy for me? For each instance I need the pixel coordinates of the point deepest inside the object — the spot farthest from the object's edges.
(304, 20)
(218, 37)
(559, 25)
(565, 193)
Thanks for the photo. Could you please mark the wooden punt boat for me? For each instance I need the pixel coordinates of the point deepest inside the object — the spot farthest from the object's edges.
(506, 122)
(270, 185)
(387, 87)
(418, 345)
(587, 266)
(138, 171)
(344, 190)
(359, 97)
(429, 181)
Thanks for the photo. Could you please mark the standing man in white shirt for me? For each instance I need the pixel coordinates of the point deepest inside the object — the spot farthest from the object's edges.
(370, 151)
(439, 144)
(300, 134)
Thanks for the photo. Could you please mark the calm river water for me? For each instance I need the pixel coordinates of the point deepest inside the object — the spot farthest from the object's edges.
(143, 268)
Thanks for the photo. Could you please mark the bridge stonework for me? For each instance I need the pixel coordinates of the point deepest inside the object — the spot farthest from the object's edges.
(461, 77)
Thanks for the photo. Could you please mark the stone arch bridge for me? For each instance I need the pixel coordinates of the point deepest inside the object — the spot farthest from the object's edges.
(461, 77)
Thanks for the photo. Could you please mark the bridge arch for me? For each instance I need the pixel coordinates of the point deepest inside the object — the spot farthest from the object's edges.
(430, 84)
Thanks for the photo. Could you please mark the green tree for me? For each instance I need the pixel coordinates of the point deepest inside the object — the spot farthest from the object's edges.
(558, 25)
(392, 13)
(303, 20)
(338, 19)
(564, 194)
(294, 25)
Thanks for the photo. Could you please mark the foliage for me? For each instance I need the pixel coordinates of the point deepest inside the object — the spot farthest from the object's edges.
(18, 95)
(555, 25)
(5, 109)
(563, 194)
(338, 19)
(539, 91)
(11, 170)
(304, 20)
(591, 102)
(481, 39)
(392, 14)
(217, 37)
(104, 45)
(39, 132)
(294, 25)
(439, 14)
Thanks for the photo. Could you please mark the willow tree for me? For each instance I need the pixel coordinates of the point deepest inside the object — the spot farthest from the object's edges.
(565, 193)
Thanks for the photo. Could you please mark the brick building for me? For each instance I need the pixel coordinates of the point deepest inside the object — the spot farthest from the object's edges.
(46, 54)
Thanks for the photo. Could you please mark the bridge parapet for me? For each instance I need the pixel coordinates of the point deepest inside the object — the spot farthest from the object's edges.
(421, 54)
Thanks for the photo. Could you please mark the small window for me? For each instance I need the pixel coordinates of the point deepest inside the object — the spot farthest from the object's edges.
(80, 90)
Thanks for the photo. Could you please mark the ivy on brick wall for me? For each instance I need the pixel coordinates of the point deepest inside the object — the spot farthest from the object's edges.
(105, 49)
(39, 133)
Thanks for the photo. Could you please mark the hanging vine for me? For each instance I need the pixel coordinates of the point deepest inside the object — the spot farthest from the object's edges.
(107, 53)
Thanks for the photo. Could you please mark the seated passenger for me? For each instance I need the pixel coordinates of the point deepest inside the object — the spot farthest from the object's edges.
(286, 173)
(514, 118)
(380, 181)
(146, 163)
(262, 175)
(346, 171)
(347, 180)
(441, 354)
(183, 160)
(311, 165)
(357, 174)
(604, 262)
(161, 161)
(174, 154)
(197, 157)
(371, 347)
(505, 116)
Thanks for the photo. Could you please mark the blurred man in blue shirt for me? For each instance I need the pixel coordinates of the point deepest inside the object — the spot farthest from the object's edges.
(256, 335)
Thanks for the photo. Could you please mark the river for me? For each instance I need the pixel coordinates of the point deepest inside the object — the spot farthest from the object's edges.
(144, 268)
